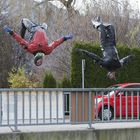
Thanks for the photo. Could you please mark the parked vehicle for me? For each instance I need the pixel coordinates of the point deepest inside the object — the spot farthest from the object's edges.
(117, 103)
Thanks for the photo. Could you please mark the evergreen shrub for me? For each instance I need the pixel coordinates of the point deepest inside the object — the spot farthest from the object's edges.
(95, 76)
(49, 81)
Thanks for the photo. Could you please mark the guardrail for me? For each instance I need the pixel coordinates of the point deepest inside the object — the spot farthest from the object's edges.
(19, 107)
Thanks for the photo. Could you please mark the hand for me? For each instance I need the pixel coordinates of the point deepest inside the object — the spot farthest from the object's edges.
(68, 37)
(8, 29)
(80, 50)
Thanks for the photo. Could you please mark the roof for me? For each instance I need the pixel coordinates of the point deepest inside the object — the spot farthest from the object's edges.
(126, 84)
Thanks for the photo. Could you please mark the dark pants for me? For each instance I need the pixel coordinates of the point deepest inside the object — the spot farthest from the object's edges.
(110, 54)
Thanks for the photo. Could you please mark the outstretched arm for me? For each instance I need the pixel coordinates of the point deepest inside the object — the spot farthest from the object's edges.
(20, 40)
(56, 43)
(92, 55)
(126, 59)
(17, 37)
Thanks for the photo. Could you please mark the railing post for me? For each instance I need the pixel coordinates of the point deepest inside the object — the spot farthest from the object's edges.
(83, 73)
(90, 110)
(83, 86)
(15, 111)
(1, 108)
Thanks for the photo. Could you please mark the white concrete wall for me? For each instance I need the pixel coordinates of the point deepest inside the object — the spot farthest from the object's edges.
(25, 108)
(88, 134)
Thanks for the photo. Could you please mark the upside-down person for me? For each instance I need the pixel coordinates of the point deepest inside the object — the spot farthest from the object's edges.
(38, 42)
(110, 60)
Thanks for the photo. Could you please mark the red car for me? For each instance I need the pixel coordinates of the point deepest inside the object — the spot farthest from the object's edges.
(122, 104)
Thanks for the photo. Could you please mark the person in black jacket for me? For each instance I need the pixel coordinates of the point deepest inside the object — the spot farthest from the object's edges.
(110, 60)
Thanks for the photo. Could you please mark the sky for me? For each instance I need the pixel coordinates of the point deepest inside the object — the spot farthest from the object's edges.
(135, 3)
(79, 3)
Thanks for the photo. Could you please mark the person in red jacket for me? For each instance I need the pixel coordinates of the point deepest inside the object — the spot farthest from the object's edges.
(38, 42)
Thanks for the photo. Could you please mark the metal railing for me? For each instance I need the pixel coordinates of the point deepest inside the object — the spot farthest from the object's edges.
(19, 107)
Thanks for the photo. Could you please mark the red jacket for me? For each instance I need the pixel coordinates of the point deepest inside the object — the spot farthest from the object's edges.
(39, 43)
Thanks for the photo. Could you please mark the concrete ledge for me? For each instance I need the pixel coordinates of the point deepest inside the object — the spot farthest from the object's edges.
(129, 131)
(115, 134)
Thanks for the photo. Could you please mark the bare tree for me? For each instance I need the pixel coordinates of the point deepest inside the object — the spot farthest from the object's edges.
(65, 20)
(5, 49)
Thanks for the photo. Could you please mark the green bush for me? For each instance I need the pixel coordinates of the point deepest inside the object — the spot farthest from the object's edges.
(95, 76)
(65, 83)
(18, 79)
(49, 81)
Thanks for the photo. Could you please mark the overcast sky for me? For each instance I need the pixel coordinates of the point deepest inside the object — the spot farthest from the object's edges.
(135, 3)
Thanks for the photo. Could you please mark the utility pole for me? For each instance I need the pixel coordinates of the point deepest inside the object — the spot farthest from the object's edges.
(83, 73)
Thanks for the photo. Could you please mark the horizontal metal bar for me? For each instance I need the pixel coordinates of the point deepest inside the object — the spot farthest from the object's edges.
(67, 89)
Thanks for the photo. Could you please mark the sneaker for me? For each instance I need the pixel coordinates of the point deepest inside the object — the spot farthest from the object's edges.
(97, 22)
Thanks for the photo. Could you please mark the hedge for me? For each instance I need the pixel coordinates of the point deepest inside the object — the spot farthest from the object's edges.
(65, 83)
(95, 76)
(49, 81)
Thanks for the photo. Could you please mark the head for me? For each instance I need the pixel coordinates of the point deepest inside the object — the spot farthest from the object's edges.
(111, 75)
(38, 59)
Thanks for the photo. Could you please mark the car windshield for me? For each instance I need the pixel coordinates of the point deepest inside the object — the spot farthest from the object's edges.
(110, 93)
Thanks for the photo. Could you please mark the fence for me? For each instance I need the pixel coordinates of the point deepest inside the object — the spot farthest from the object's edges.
(19, 107)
